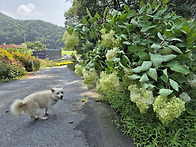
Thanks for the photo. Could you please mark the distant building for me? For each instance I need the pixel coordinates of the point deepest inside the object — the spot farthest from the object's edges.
(51, 54)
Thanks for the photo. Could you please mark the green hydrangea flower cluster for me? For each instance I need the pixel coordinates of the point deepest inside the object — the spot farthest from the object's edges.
(111, 54)
(108, 82)
(168, 109)
(90, 78)
(108, 38)
(142, 97)
(70, 40)
(78, 69)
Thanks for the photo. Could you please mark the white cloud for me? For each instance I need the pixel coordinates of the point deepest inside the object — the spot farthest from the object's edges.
(26, 9)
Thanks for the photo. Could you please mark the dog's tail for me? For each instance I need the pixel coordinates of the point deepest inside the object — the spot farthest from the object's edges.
(17, 107)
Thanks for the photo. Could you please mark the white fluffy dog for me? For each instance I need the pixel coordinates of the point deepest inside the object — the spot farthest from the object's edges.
(32, 104)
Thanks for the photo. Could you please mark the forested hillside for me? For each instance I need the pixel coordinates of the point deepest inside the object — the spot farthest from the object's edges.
(14, 31)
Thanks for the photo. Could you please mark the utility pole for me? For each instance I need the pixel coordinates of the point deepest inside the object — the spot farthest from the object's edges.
(24, 39)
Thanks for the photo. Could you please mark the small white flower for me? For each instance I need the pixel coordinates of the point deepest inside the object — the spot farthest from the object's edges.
(111, 54)
(185, 97)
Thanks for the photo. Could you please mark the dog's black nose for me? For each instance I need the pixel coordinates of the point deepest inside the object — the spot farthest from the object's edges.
(61, 97)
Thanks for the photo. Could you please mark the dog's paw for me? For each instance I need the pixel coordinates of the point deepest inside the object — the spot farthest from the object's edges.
(44, 118)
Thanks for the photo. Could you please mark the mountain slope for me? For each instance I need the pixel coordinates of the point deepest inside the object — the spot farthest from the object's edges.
(14, 31)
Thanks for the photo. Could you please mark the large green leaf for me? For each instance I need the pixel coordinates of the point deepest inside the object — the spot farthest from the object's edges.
(156, 60)
(152, 72)
(165, 92)
(134, 77)
(160, 36)
(167, 58)
(144, 78)
(137, 69)
(174, 84)
(155, 46)
(180, 68)
(175, 48)
(146, 65)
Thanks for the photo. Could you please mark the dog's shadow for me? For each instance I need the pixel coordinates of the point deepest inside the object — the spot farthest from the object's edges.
(38, 122)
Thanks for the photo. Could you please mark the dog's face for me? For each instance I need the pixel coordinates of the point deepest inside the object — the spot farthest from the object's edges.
(57, 93)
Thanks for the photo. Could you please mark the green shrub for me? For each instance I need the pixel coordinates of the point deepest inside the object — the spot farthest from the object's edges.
(146, 130)
(153, 53)
(155, 45)
(29, 62)
(11, 69)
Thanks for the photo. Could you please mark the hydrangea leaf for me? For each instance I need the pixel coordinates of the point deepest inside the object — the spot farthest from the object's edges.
(146, 65)
(134, 77)
(156, 60)
(144, 78)
(152, 73)
(167, 58)
(174, 84)
(165, 92)
(175, 48)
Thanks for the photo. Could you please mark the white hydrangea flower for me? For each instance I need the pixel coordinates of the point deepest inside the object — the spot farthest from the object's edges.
(78, 69)
(90, 78)
(168, 109)
(185, 97)
(108, 82)
(142, 97)
(111, 54)
(108, 38)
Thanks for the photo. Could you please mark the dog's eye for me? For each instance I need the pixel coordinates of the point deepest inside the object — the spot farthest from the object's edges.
(57, 92)
(62, 92)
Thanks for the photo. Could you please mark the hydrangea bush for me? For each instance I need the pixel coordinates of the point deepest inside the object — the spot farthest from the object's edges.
(152, 50)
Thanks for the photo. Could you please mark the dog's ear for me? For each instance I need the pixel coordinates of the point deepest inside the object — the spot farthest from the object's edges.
(62, 87)
(52, 90)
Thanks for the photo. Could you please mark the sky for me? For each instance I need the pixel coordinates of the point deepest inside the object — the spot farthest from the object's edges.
(47, 10)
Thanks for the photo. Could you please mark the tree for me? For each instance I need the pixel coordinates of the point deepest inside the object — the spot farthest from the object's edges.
(38, 46)
(74, 15)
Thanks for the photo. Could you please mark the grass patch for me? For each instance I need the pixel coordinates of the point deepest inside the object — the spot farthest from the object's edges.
(68, 52)
(147, 130)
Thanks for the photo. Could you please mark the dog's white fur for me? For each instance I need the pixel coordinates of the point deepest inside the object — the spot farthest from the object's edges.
(32, 104)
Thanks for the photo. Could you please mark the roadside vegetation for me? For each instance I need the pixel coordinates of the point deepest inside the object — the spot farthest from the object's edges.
(143, 62)
(15, 64)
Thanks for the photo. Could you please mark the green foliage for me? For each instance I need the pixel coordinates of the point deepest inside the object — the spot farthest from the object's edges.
(36, 45)
(10, 68)
(146, 130)
(70, 40)
(18, 31)
(29, 62)
(152, 51)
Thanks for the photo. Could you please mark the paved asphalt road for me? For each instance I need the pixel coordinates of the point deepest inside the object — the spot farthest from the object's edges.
(76, 124)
